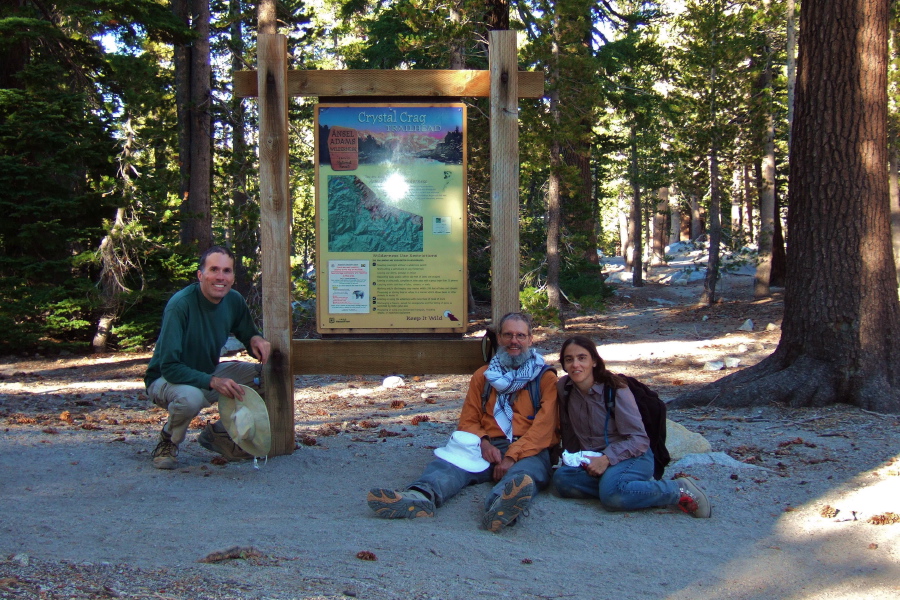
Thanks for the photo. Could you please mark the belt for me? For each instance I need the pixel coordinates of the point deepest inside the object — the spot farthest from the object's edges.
(503, 438)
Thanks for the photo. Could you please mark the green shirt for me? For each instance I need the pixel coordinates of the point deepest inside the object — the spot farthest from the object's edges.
(193, 333)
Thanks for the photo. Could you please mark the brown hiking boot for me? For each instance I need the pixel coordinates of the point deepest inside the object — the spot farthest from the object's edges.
(409, 504)
(165, 452)
(514, 501)
(221, 442)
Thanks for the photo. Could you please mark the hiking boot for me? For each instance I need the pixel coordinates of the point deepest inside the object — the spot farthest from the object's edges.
(408, 504)
(514, 501)
(693, 501)
(165, 452)
(219, 441)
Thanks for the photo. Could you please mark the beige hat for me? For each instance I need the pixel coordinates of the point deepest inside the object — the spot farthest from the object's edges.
(464, 451)
(247, 422)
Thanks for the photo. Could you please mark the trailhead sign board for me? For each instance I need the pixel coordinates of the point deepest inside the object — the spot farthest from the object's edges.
(391, 210)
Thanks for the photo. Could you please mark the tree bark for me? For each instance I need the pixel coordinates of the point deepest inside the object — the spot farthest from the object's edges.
(634, 225)
(554, 214)
(715, 230)
(779, 255)
(674, 218)
(245, 216)
(767, 192)
(196, 224)
(737, 221)
(660, 231)
(696, 221)
(840, 337)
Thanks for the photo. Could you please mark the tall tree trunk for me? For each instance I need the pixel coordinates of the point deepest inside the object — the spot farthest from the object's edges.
(674, 218)
(767, 193)
(895, 202)
(111, 287)
(626, 247)
(751, 184)
(715, 229)
(634, 225)
(245, 221)
(266, 17)
(554, 215)
(840, 338)
(791, 67)
(182, 62)
(779, 256)
(660, 231)
(696, 221)
(737, 201)
(893, 155)
(196, 224)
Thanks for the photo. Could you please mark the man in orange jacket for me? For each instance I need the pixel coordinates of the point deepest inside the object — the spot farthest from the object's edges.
(515, 437)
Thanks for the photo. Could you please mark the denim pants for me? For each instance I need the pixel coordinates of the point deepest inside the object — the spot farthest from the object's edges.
(627, 485)
(443, 480)
(184, 402)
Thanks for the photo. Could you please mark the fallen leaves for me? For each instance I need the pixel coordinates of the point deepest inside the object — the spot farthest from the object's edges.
(236, 552)
(50, 430)
(384, 433)
(398, 404)
(887, 518)
(829, 512)
(308, 440)
(420, 419)
(366, 555)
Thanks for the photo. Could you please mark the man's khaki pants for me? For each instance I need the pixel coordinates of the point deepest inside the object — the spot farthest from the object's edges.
(184, 402)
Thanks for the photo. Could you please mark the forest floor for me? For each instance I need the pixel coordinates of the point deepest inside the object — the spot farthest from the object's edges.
(807, 510)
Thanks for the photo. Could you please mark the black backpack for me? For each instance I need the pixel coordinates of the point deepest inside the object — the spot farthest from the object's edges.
(653, 414)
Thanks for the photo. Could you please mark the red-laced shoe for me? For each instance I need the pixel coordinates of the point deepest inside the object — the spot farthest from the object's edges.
(693, 501)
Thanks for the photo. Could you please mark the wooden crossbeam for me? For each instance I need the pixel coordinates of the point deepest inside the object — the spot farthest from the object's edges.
(371, 82)
(387, 356)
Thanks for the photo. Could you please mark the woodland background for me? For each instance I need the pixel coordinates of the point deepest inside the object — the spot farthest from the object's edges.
(123, 152)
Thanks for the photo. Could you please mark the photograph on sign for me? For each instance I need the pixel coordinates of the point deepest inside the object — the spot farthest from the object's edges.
(391, 217)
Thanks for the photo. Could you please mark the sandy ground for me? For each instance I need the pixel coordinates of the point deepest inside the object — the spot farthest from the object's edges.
(809, 509)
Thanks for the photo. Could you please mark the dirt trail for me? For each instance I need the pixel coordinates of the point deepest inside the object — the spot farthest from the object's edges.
(86, 516)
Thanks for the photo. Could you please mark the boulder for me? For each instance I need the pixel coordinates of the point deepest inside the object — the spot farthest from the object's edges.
(680, 442)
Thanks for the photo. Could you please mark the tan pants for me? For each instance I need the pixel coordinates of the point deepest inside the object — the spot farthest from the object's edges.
(184, 402)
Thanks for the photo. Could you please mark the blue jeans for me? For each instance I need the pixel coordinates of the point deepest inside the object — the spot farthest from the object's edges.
(627, 485)
(443, 480)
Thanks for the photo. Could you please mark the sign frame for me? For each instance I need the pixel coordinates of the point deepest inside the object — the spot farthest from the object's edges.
(391, 218)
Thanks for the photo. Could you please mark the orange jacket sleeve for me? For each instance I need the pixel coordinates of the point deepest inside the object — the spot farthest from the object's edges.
(535, 431)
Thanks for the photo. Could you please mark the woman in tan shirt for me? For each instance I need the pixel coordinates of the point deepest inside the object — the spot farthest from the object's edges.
(620, 472)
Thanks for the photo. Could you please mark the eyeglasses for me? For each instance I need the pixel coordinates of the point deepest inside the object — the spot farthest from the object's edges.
(519, 337)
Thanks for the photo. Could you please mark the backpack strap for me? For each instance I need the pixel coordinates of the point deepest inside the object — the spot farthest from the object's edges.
(609, 398)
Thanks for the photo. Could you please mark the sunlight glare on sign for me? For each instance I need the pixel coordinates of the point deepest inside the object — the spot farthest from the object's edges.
(395, 187)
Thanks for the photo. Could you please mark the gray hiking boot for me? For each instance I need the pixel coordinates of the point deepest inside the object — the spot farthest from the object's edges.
(408, 504)
(165, 452)
(514, 501)
(219, 441)
(693, 501)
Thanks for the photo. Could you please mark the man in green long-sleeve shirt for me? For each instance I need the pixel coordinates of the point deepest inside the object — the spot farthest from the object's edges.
(185, 376)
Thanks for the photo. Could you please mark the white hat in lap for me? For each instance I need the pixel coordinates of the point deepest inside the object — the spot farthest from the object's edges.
(463, 450)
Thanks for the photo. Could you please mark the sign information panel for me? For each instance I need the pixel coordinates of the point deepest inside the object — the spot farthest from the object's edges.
(391, 212)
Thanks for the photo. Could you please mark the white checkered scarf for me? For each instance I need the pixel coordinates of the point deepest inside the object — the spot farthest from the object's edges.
(507, 382)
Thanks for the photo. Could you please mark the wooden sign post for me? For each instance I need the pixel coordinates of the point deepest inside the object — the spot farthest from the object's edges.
(274, 85)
